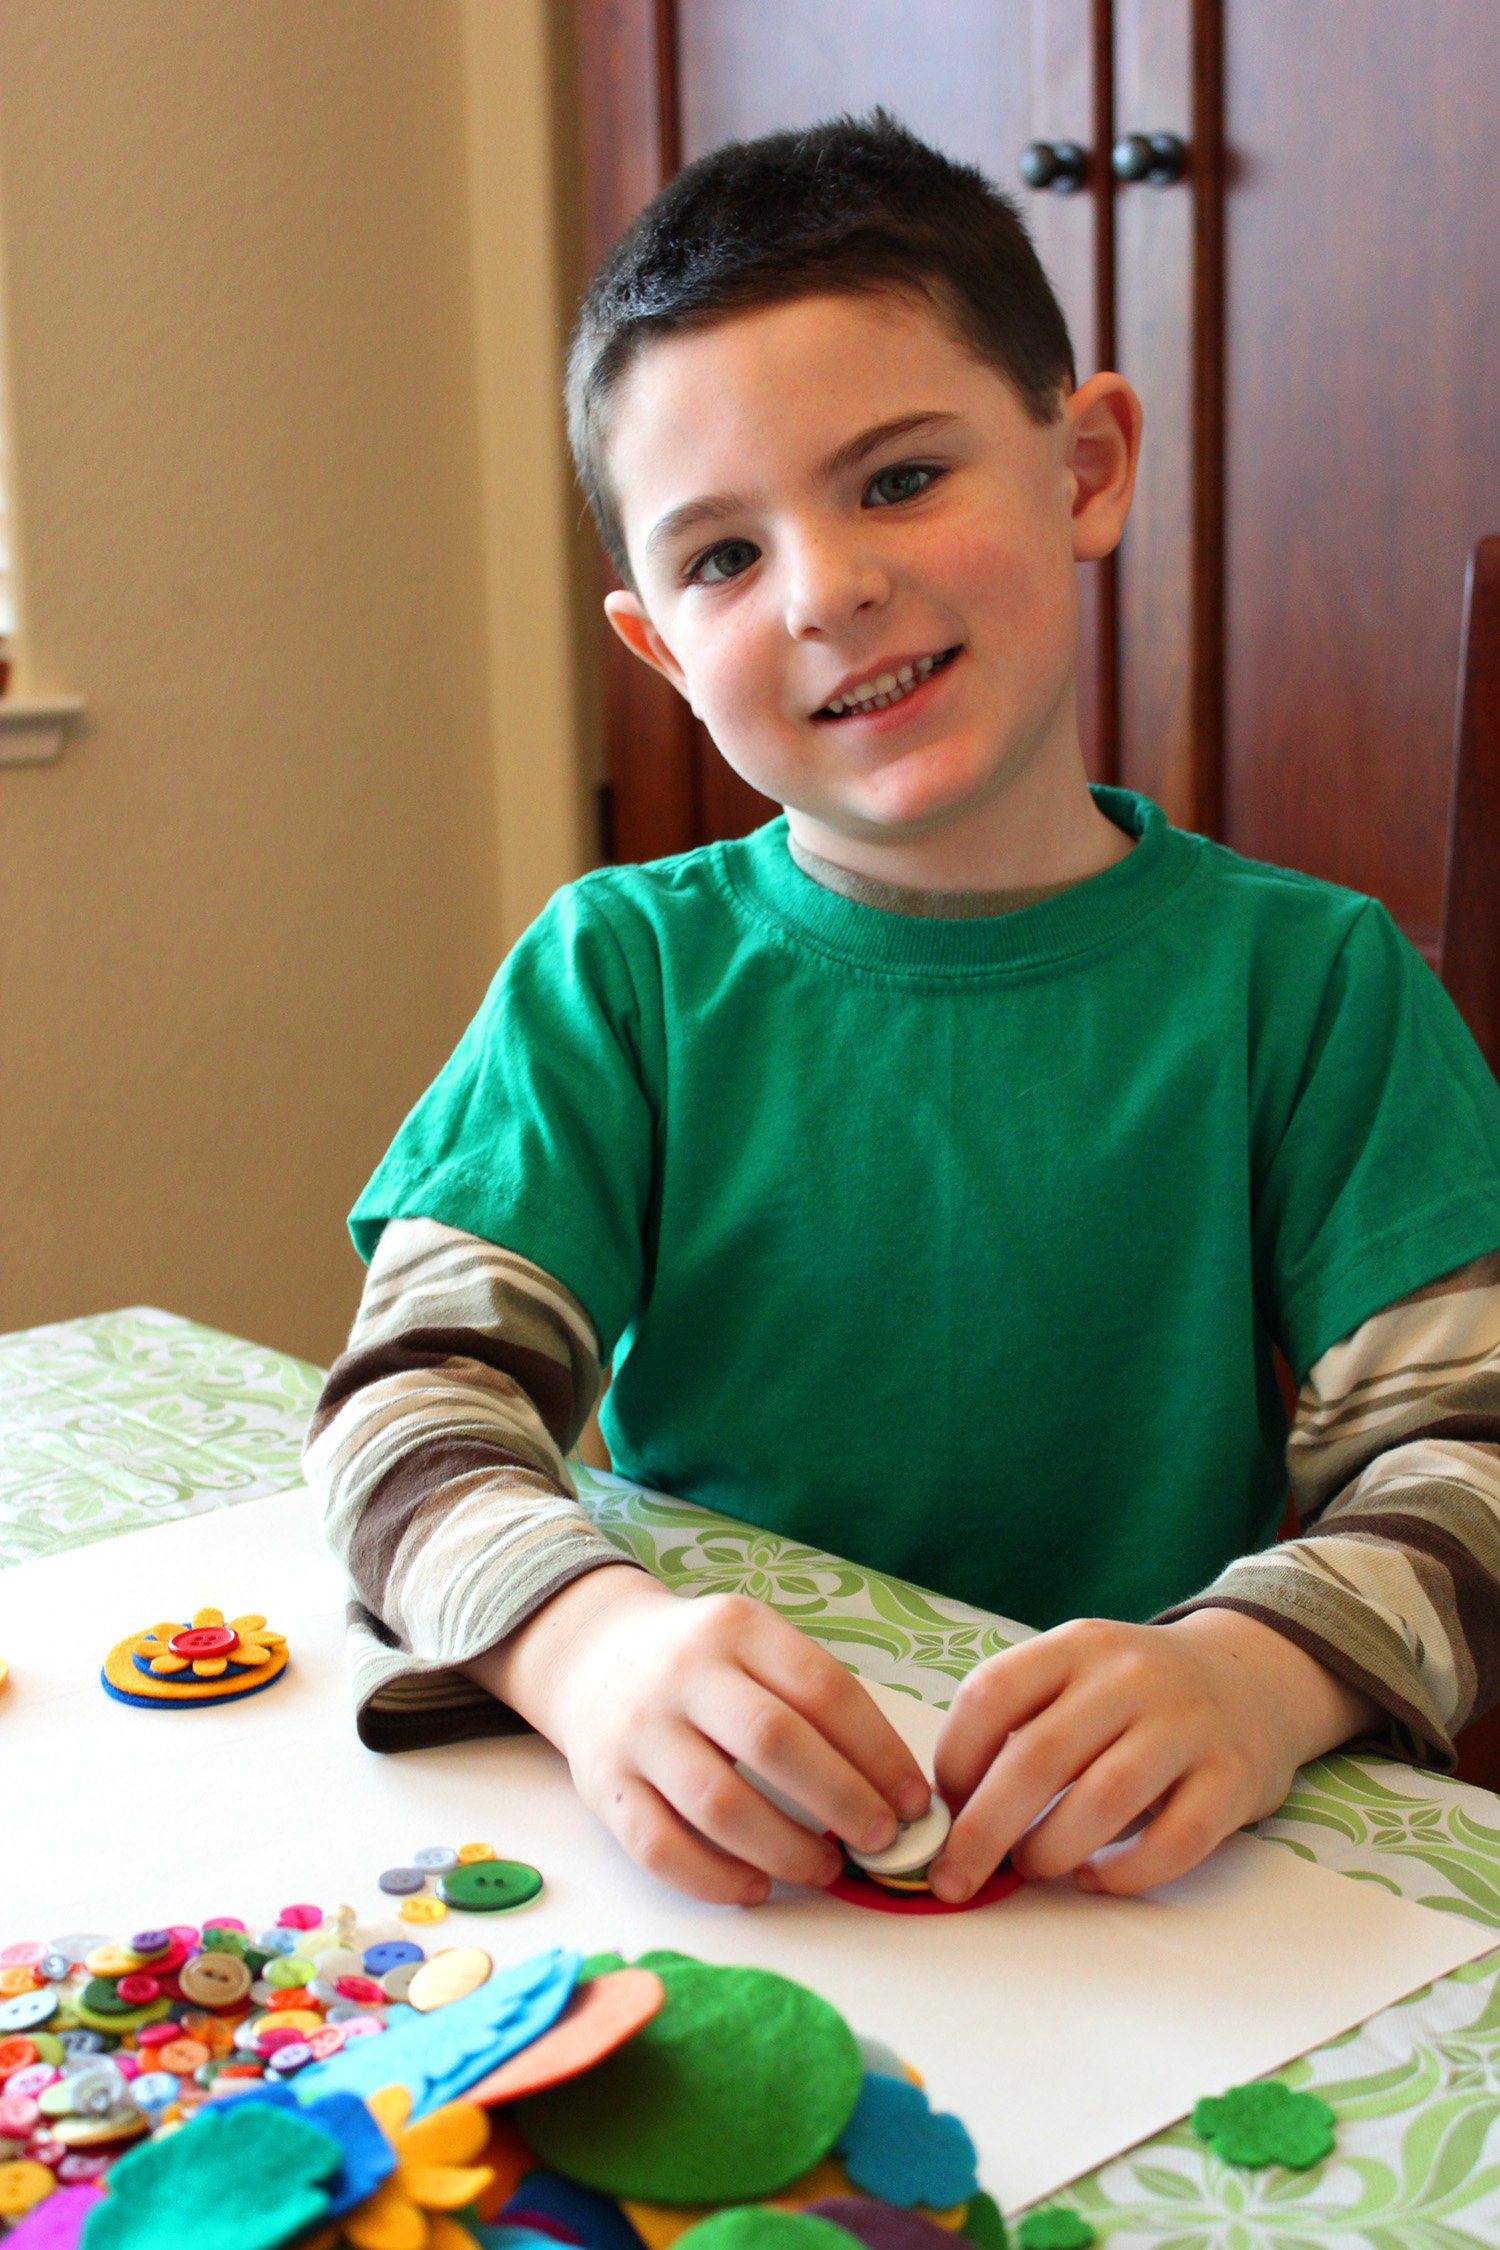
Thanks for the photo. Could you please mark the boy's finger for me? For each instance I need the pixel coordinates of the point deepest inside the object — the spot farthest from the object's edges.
(991, 1704)
(700, 1784)
(1198, 1815)
(799, 1673)
(1036, 1763)
(1123, 1782)
(782, 1748)
(651, 1833)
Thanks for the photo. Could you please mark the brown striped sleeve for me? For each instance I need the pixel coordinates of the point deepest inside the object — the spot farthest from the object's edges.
(1394, 1459)
(436, 1457)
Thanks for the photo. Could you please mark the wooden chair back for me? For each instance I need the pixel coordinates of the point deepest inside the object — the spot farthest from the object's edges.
(1469, 939)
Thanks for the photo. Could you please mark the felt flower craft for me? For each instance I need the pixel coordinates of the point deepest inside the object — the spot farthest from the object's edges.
(435, 2174)
(207, 1645)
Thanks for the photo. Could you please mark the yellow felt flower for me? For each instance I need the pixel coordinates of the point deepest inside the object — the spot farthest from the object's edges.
(253, 1643)
(434, 2175)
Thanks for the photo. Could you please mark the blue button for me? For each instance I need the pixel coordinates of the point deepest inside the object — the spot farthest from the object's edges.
(436, 1858)
(389, 1954)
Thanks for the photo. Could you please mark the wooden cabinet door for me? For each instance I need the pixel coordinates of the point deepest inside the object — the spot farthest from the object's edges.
(1362, 419)
(662, 81)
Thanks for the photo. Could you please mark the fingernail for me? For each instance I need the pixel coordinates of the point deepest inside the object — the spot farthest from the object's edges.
(948, 1884)
(913, 1799)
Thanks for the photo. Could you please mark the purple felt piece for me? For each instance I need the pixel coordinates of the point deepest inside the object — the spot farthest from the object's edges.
(57, 2223)
(880, 2226)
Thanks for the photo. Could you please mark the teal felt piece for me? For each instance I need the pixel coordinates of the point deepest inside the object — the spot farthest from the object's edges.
(439, 2056)
(244, 2177)
(899, 2150)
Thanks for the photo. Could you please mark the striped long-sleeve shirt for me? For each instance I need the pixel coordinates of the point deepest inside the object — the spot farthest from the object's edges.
(437, 1457)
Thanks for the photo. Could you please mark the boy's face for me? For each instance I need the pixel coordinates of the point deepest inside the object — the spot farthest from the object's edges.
(958, 535)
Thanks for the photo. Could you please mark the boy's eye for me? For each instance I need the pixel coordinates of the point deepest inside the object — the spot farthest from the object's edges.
(694, 574)
(905, 469)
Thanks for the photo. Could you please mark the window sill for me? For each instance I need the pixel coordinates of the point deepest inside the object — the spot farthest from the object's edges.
(33, 728)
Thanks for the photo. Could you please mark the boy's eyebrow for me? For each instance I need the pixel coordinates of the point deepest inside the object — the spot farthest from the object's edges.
(717, 505)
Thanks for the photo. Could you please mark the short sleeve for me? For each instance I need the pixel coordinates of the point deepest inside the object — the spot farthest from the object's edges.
(1387, 1173)
(538, 1132)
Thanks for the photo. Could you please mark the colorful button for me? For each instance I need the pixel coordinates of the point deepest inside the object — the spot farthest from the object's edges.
(468, 1854)
(26, 2011)
(396, 1882)
(288, 2060)
(148, 1942)
(154, 2089)
(300, 1917)
(288, 1969)
(181, 2056)
(138, 1989)
(17, 1980)
(214, 1980)
(20, 2114)
(23, 2184)
(76, 1948)
(435, 1858)
(204, 1640)
(112, 1961)
(389, 1953)
(410, 1910)
(396, 1983)
(449, 1975)
(915, 1845)
(25, 1954)
(489, 1886)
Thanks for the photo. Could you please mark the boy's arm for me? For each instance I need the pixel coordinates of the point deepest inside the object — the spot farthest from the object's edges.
(435, 1455)
(1382, 1622)
(1393, 1583)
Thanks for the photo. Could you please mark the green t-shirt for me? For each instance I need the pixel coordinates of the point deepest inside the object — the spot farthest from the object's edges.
(959, 1246)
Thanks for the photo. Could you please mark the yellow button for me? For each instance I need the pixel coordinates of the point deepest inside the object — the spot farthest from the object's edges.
(23, 2185)
(468, 1853)
(448, 1976)
(421, 1908)
(113, 1961)
(17, 1980)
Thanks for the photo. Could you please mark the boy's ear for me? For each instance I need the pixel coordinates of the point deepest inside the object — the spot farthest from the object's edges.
(640, 636)
(1104, 444)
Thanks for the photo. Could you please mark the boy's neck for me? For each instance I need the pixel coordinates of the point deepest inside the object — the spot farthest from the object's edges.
(1035, 835)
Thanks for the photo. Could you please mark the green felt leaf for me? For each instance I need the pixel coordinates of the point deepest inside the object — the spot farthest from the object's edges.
(241, 2177)
(1054, 2229)
(1265, 2123)
(983, 2226)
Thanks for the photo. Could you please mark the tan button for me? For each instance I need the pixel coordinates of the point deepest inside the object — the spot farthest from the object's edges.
(126, 2123)
(448, 1976)
(214, 1980)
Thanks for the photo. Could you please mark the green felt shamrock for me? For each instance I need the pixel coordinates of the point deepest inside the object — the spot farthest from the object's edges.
(1054, 2229)
(1265, 2124)
(983, 2227)
(237, 2177)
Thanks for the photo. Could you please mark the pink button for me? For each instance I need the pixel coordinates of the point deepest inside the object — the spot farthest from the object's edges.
(363, 1989)
(26, 2084)
(285, 2035)
(27, 1955)
(327, 2041)
(19, 2116)
(360, 2027)
(300, 1917)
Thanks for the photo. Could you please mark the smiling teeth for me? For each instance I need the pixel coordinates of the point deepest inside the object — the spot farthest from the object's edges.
(886, 687)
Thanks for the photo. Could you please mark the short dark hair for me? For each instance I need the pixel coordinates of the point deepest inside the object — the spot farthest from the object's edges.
(853, 205)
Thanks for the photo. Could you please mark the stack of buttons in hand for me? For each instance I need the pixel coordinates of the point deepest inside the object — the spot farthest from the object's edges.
(320, 2081)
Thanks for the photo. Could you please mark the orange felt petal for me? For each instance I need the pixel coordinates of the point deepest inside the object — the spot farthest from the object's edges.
(442, 2187)
(390, 2108)
(251, 1622)
(209, 1667)
(454, 2134)
(388, 2221)
(202, 1617)
(164, 1664)
(444, 2233)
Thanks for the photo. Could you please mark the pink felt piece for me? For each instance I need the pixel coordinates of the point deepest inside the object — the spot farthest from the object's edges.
(57, 2222)
(858, 1890)
(880, 2226)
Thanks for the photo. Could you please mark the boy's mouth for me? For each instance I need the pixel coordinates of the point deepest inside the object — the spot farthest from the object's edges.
(885, 688)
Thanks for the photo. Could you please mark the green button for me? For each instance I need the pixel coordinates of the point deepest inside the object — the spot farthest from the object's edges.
(101, 1995)
(488, 1886)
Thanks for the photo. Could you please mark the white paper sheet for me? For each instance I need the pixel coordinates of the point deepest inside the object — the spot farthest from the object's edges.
(1061, 2029)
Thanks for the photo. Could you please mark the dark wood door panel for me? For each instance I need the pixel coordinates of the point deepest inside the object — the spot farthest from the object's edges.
(1363, 424)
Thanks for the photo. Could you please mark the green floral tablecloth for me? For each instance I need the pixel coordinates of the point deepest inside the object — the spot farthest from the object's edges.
(137, 1417)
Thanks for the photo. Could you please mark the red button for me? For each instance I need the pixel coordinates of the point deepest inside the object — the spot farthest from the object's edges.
(365, 1990)
(204, 1640)
(139, 1990)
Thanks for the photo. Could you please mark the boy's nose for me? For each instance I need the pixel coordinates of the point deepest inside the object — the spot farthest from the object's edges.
(828, 582)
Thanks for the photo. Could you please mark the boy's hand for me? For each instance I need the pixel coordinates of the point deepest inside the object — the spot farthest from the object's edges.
(651, 1698)
(1201, 1724)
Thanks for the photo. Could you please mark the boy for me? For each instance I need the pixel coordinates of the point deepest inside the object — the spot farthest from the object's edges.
(939, 1163)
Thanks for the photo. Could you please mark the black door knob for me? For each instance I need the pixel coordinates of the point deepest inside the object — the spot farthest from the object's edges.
(1059, 165)
(1160, 159)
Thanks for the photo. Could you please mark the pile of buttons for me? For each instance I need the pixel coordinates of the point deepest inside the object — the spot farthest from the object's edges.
(319, 2082)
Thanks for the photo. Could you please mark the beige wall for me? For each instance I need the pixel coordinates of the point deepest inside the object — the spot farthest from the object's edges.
(284, 299)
